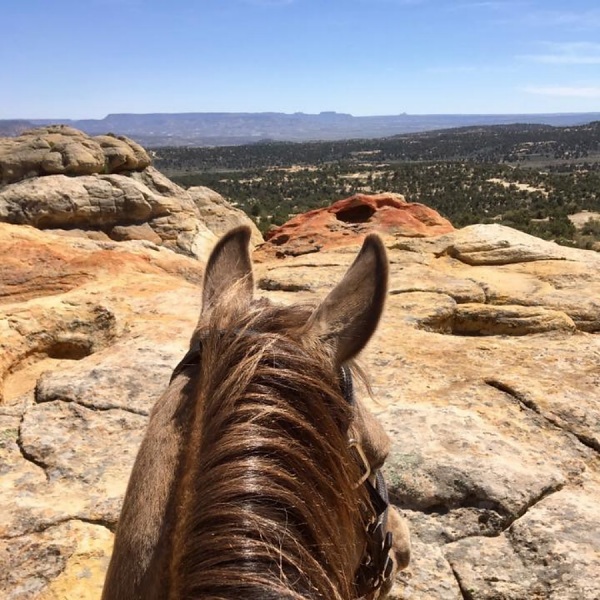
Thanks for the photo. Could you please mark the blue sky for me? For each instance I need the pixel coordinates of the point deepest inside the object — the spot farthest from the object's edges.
(88, 58)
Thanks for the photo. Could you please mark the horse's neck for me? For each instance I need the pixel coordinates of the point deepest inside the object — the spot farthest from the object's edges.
(141, 552)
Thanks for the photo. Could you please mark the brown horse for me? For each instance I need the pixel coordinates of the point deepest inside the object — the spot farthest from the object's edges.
(258, 477)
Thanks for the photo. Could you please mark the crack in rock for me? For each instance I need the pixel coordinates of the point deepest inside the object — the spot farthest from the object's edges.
(28, 456)
(101, 409)
(529, 404)
(547, 491)
(464, 592)
(507, 520)
(46, 525)
(513, 393)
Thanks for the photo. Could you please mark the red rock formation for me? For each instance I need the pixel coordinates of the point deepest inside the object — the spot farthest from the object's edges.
(348, 221)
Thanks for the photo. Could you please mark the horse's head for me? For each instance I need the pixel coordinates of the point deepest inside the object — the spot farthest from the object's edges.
(273, 485)
(341, 325)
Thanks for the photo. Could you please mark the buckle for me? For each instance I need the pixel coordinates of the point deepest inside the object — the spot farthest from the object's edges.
(362, 461)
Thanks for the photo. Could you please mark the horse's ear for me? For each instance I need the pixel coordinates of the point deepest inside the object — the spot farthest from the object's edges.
(349, 315)
(229, 266)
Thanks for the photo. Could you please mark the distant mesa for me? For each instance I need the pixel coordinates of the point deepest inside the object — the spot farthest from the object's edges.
(227, 129)
(348, 221)
(11, 127)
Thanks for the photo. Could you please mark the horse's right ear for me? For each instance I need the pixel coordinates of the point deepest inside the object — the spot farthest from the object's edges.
(229, 266)
(350, 313)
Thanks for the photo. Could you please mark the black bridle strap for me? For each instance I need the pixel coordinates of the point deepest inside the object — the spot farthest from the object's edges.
(377, 567)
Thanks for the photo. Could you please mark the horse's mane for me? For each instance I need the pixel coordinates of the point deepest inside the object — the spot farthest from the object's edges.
(267, 495)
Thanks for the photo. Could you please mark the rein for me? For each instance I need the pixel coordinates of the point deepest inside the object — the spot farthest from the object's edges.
(376, 566)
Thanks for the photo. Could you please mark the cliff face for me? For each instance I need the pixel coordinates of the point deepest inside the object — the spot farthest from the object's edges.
(485, 372)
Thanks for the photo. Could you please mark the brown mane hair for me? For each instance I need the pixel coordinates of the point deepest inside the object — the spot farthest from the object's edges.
(246, 484)
(268, 495)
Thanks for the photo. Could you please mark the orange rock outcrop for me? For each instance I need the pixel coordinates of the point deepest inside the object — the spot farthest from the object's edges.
(348, 221)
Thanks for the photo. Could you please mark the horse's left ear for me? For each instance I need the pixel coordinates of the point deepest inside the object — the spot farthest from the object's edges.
(228, 267)
(349, 315)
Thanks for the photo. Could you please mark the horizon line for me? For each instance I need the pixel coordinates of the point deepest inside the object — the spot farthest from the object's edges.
(321, 113)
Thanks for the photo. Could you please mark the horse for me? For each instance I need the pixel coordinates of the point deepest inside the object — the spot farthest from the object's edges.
(259, 475)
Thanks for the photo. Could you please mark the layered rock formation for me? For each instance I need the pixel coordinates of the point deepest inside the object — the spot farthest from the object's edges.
(103, 188)
(485, 371)
(62, 150)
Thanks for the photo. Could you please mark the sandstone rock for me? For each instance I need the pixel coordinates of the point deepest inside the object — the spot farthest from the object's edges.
(164, 211)
(547, 555)
(37, 264)
(64, 561)
(481, 319)
(122, 233)
(495, 436)
(430, 576)
(488, 427)
(91, 234)
(499, 245)
(348, 221)
(219, 215)
(116, 194)
(122, 154)
(66, 450)
(59, 149)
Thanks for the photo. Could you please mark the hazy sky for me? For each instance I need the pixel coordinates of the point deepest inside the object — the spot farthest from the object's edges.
(88, 58)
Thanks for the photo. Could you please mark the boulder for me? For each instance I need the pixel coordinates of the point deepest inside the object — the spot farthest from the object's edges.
(122, 154)
(59, 149)
(103, 188)
(148, 206)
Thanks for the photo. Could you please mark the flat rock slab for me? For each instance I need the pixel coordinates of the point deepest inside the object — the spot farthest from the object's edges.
(63, 561)
(549, 552)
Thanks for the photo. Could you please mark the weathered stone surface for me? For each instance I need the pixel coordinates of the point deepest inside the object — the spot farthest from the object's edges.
(64, 561)
(430, 576)
(66, 447)
(220, 216)
(146, 206)
(495, 436)
(122, 154)
(489, 428)
(59, 149)
(122, 233)
(499, 245)
(548, 553)
(104, 188)
(482, 319)
(348, 221)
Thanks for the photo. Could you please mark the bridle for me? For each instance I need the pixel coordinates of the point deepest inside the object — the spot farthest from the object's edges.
(376, 565)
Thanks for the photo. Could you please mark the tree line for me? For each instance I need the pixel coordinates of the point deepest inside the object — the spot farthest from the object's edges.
(528, 177)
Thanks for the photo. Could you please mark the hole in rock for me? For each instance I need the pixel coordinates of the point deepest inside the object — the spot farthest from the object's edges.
(280, 239)
(356, 214)
(70, 349)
